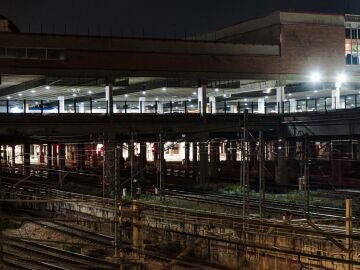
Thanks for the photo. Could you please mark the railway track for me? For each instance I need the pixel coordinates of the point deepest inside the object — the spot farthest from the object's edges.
(32, 255)
(87, 235)
(233, 201)
(270, 206)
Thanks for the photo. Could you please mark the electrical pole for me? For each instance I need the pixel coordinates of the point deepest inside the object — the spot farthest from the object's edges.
(116, 195)
(103, 168)
(261, 175)
(1, 225)
(348, 225)
(244, 174)
(245, 178)
(161, 165)
(306, 177)
(131, 151)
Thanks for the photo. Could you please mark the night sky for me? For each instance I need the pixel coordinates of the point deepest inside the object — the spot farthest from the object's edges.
(165, 18)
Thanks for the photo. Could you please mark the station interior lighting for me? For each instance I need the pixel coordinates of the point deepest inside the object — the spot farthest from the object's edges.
(267, 91)
(315, 77)
(126, 95)
(8, 97)
(89, 92)
(341, 77)
(216, 89)
(144, 92)
(74, 95)
(47, 87)
(20, 94)
(164, 88)
(33, 91)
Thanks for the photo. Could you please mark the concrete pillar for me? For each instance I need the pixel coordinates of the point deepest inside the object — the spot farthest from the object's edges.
(109, 98)
(13, 155)
(202, 100)
(187, 154)
(62, 159)
(61, 100)
(212, 100)
(142, 155)
(109, 164)
(227, 154)
(26, 153)
(204, 162)
(42, 154)
(160, 107)
(80, 159)
(281, 167)
(280, 96)
(5, 158)
(155, 152)
(293, 105)
(356, 151)
(214, 159)
(194, 153)
(49, 156)
(55, 156)
(81, 107)
(336, 99)
(231, 154)
(94, 158)
(142, 106)
(261, 105)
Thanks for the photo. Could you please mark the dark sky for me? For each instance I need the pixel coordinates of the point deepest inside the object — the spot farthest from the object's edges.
(162, 17)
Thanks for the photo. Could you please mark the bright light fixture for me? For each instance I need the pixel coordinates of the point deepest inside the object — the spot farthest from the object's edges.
(74, 95)
(224, 95)
(47, 87)
(289, 94)
(341, 78)
(267, 91)
(266, 97)
(216, 89)
(315, 91)
(144, 92)
(194, 93)
(164, 88)
(20, 94)
(315, 77)
(307, 97)
(157, 99)
(8, 97)
(90, 92)
(126, 95)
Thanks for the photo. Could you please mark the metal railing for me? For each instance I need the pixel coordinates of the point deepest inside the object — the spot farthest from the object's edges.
(55, 107)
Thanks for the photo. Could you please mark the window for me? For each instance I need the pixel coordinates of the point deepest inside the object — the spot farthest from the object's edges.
(347, 33)
(55, 54)
(16, 52)
(36, 53)
(352, 46)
